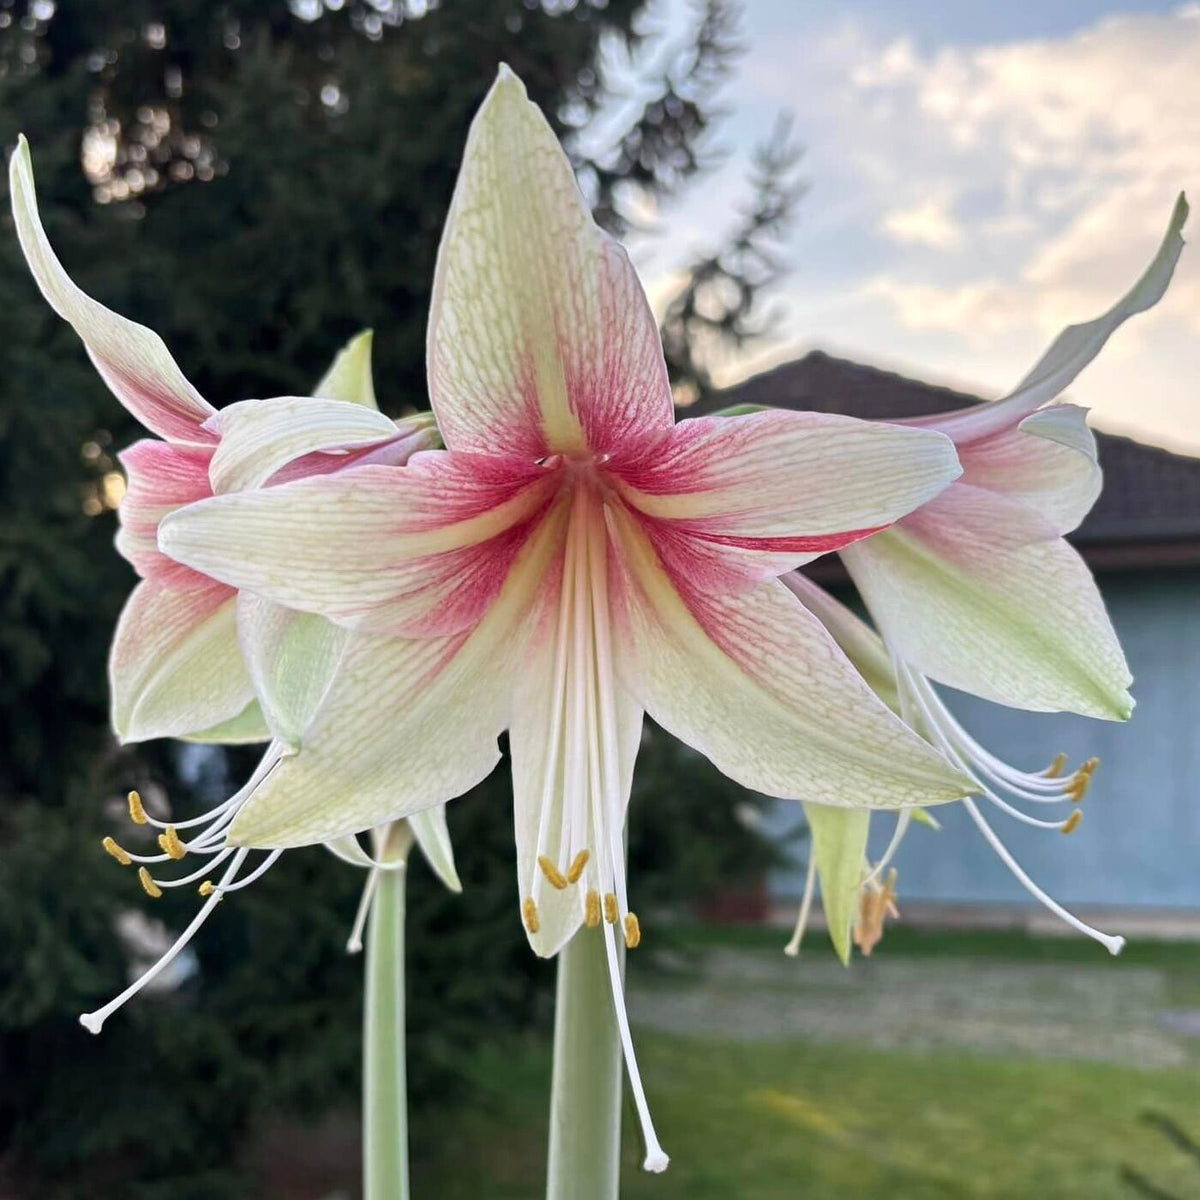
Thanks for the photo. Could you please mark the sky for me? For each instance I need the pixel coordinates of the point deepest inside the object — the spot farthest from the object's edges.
(980, 175)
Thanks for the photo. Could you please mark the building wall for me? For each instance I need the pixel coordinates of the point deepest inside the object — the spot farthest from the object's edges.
(1139, 842)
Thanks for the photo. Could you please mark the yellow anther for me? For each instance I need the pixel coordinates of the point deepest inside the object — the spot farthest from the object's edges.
(611, 912)
(1072, 822)
(206, 888)
(575, 871)
(555, 877)
(633, 931)
(530, 913)
(111, 846)
(591, 908)
(1089, 767)
(1078, 787)
(171, 845)
(137, 814)
(1055, 769)
(151, 888)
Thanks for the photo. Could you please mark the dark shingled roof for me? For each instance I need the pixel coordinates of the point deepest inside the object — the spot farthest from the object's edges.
(1148, 513)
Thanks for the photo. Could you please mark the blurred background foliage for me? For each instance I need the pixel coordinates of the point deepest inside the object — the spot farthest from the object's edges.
(258, 180)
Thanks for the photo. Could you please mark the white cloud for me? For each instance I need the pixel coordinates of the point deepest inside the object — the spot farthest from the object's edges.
(929, 223)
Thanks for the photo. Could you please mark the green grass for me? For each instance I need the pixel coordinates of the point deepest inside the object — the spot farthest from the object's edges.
(764, 1121)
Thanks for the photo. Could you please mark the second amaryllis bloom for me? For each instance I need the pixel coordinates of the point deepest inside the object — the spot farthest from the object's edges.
(572, 559)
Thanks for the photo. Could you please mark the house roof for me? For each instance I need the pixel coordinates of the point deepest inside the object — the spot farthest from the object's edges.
(1148, 514)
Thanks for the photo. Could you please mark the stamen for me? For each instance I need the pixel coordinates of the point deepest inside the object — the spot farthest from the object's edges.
(171, 844)
(633, 931)
(137, 813)
(1055, 769)
(575, 871)
(206, 888)
(111, 846)
(1078, 787)
(553, 875)
(354, 944)
(810, 883)
(148, 885)
(530, 912)
(592, 908)
(611, 913)
(1072, 822)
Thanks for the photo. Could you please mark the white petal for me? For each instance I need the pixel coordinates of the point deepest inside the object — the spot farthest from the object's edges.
(433, 836)
(839, 846)
(540, 337)
(259, 437)
(133, 360)
(754, 682)
(349, 376)
(977, 592)
(175, 667)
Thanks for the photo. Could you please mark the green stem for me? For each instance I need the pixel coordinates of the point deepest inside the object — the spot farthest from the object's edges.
(385, 1092)
(585, 1092)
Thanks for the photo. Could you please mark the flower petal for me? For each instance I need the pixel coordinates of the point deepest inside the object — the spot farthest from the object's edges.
(1072, 350)
(372, 547)
(247, 728)
(540, 336)
(764, 492)
(839, 845)
(175, 667)
(1048, 461)
(131, 358)
(349, 376)
(754, 682)
(977, 592)
(260, 437)
(292, 658)
(433, 836)
(406, 725)
(161, 478)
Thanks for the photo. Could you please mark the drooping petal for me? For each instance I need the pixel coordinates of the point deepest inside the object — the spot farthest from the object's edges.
(161, 478)
(434, 540)
(349, 376)
(1048, 461)
(260, 437)
(1072, 350)
(764, 492)
(755, 683)
(977, 592)
(433, 836)
(540, 337)
(131, 358)
(407, 724)
(292, 658)
(175, 667)
(839, 847)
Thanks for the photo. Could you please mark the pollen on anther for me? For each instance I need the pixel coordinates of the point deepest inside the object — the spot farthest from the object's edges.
(553, 875)
(119, 854)
(611, 912)
(206, 888)
(591, 908)
(1055, 769)
(1078, 787)
(575, 871)
(171, 845)
(633, 931)
(530, 913)
(1072, 822)
(149, 886)
(137, 813)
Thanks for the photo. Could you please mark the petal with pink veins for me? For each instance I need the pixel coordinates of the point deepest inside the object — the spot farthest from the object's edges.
(762, 493)
(175, 667)
(131, 358)
(348, 545)
(540, 336)
(978, 592)
(756, 684)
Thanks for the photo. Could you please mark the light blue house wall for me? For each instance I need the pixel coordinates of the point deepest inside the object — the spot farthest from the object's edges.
(1139, 843)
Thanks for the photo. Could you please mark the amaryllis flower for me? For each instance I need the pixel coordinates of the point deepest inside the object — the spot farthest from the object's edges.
(572, 559)
(979, 590)
(191, 658)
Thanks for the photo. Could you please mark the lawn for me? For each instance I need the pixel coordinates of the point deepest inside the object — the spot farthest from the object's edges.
(879, 1108)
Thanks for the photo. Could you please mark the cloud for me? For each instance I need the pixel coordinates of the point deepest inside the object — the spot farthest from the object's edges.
(929, 223)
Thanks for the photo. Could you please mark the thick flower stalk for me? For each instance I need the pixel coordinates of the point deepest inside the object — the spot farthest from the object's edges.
(978, 589)
(572, 559)
(191, 658)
